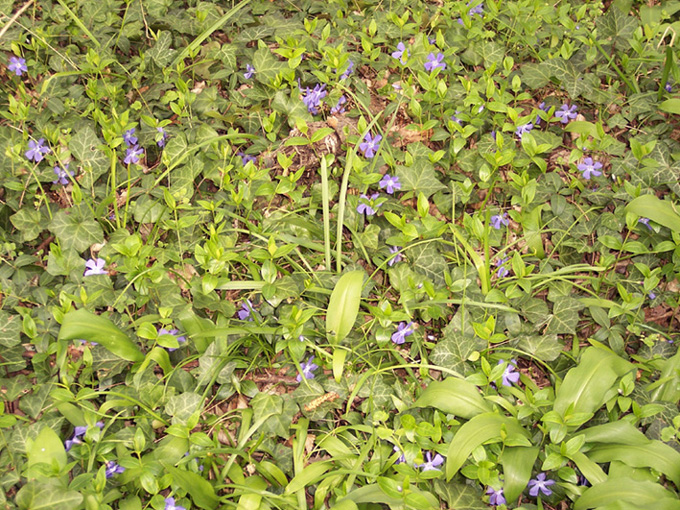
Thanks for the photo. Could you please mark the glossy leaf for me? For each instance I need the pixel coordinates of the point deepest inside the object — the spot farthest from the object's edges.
(201, 491)
(644, 494)
(343, 307)
(47, 495)
(660, 211)
(518, 464)
(454, 396)
(310, 475)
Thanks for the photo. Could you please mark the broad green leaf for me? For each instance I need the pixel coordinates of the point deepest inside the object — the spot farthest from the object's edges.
(343, 307)
(84, 146)
(182, 407)
(616, 26)
(454, 396)
(518, 464)
(660, 211)
(460, 496)
(201, 491)
(76, 229)
(161, 53)
(266, 65)
(454, 349)
(252, 500)
(544, 347)
(669, 389)
(345, 504)
(47, 448)
(372, 493)
(621, 432)
(586, 386)
(479, 430)
(28, 222)
(10, 329)
(310, 475)
(644, 494)
(670, 106)
(564, 317)
(419, 177)
(47, 495)
(81, 324)
(427, 261)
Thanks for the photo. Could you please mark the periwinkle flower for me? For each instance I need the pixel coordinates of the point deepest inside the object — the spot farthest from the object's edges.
(402, 457)
(307, 370)
(521, 130)
(246, 158)
(502, 271)
(366, 205)
(396, 255)
(495, 496)
(403, 330)
(566, 113)
(95, 267)
(348, 71)
(510, 377)
(651, 295)
(78, 433)
(370, 145)
(244, 312)
(433, 62)
(401, 54)
(62, 175)
(170, 504)
(390, 183)
(498, 219)
(339, 108)
(250, 71)
(312, 97)
(540, 484)
(164, 137)
(129, 137)
(645, 222)
(589, 168)
(36, 150)
(132, 155)
(668, 87)
(174, 332)
(431, 464)
(456, 119)
(113, 469)
(478, 9)
(17, 65)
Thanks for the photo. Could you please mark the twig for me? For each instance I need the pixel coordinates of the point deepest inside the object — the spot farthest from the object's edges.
(15, 17)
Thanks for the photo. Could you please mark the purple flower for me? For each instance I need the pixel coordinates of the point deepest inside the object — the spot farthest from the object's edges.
(589, 168)
(244, 312)
(348, 71)
(479, 9)
(645, 222)
(129, 137)
(180, 339)
(338, 108)
(113, 469)
(403, 330)
(170, 504)
(77, 435)
(668, 87)
(431, 464)
(651, 295)
(94, 267)
(566, 113)
(495, 497)
(390, 183)
(402, 53)
(435, 62)
(17, 65)
(246, 158)
(397, 256)
(313, 97)
(307, 370)
(132, 154)
(502, 271)
(164, 137)
(497, 219)
(370, 145)
(62, 175)
(540, 484)
(366, 205)
(36, 150)
(524, 129)
(510, 377)
(456, 119)
(250, 71)
(402, 457)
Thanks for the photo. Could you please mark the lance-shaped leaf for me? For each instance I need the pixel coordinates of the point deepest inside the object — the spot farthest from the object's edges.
(643, 494)
(201, 491)
(454, 396)
(518, 463)
(344, 306)
(657, 210)
(81, 324)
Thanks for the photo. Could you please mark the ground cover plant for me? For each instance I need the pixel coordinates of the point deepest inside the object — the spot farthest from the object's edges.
(342, 255)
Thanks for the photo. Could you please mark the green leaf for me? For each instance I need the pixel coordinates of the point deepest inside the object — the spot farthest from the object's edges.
(81, 324)
(544, 347)
(454, 349)
(28, 222)
(518, 463)
(266, 65)
(616, 26)
(670, 106)
(161, 52)
(47, 448)
(621, 432)
(310, 475)
(76, 229)
(558, 69)
(454, 396)
(419, 177)
(182, 407)
(660, 211)
(586, 386)
(201, 491)
(564, 317)
(428, 261)
(343, 307)
(479, 430)
(48, 495)
(10, 329)
(460, 496)
(84, 146)
(645, 494)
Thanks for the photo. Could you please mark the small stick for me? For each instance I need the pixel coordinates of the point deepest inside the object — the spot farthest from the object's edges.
(15, 17)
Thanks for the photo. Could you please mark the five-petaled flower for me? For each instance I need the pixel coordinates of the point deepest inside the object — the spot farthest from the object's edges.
(36, 150)
(566, 113)
(129, 137)
(370, 145)
(164, 136)
(78, 433)
(394, 250)
(339, 108)
(390, 183)
(510, 377)
(403, 330)
(435, 62)
(502, 270)
(170, 505)
(244, 312)
(62, 175)
(495, 496)
(94, 267)
(401, 54)
(113, 469)
(312, 97)
(497, 219)
(174, 332)
(307, 370)
(540, 484)
(521, 130)
(17, 65)
(250, 71)
(431, 464)
(246, 158)
(366, 205)
(590, 168)
(132, 155)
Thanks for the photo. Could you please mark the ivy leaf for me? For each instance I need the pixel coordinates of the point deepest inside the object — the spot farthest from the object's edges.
(429, 262)
(34, 404)
(266, 66)
(47, 494)
(161, 52)
(75, 229)
(28, 222)
(419, 177)
(617, 26)
(460, 496)
(182, 406)
(10, 329)
(455, 348)
(564, 317)
(84, 145)
(544, 347)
